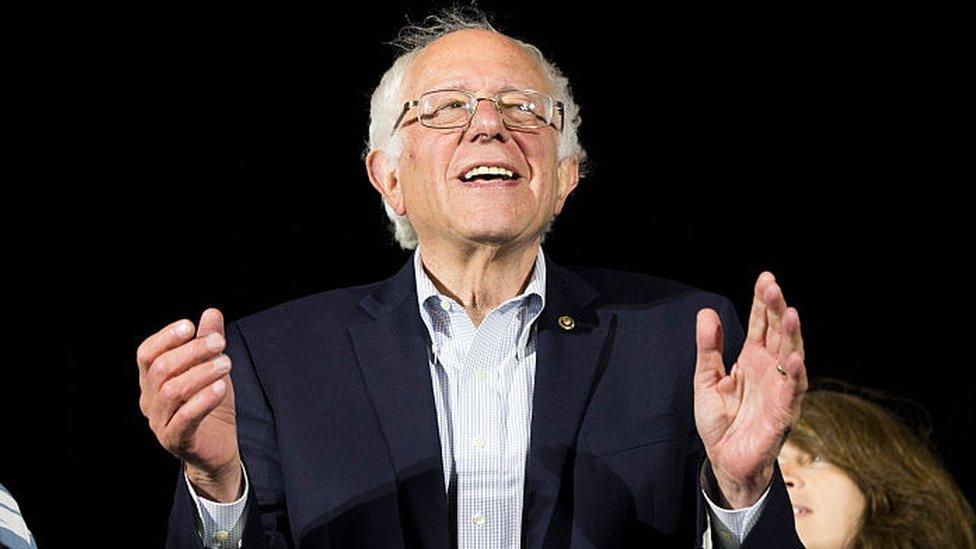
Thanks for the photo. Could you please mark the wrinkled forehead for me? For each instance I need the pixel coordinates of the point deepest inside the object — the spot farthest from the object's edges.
(475, 60)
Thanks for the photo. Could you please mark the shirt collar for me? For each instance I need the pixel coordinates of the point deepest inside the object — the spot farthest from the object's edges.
(536, 286)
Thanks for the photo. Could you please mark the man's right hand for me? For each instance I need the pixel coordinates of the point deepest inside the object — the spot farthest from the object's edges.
(188, 397)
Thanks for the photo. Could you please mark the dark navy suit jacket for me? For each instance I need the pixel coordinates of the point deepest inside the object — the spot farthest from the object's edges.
(338, 430)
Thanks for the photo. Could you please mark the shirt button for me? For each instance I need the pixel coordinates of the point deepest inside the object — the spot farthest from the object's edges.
(445, 304)
(222, 535)
(478, 519)
(479, 442)
(479, 373)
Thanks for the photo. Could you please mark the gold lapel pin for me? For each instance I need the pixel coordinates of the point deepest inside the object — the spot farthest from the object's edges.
(566, 322)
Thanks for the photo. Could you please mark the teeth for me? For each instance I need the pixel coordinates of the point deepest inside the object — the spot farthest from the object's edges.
(488, 170)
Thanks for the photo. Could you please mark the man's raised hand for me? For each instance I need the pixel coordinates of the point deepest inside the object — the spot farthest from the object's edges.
(188, 398)
(743, 417)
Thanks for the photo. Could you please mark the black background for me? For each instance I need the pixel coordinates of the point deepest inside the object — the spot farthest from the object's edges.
(166, 161)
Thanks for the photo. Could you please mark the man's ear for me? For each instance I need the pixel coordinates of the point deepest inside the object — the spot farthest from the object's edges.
(382, 173)
(568, 177)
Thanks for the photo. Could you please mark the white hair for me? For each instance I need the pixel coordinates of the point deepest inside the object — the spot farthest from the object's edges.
(387, 99)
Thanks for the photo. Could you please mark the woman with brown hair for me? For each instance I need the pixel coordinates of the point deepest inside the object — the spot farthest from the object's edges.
(859, 477)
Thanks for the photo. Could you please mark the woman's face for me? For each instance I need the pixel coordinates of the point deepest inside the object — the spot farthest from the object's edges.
(827, 505)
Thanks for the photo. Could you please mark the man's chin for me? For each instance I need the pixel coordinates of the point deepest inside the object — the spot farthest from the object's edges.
(492, 238)
(495, 236)
(507, 240)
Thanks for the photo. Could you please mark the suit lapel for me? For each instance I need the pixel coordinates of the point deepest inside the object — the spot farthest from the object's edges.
(391, 351)
(569, 364)
(392, 354)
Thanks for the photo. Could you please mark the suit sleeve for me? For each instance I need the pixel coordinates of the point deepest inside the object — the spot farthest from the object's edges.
(266, 521)
(775, 526)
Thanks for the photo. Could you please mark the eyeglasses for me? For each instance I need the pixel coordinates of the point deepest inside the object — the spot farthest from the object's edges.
(519, 109)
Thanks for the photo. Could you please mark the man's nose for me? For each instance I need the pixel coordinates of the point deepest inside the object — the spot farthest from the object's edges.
(487, 123)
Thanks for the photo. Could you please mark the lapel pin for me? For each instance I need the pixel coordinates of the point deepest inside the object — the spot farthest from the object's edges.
(566, 322)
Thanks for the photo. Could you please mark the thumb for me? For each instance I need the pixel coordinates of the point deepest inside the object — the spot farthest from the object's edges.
(211, 321)
(709, 366)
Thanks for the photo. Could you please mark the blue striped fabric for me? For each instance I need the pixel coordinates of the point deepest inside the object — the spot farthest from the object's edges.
(483, 379)
(13, 530)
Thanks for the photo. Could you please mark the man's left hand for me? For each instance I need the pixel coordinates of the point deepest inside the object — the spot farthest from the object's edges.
(743, 417)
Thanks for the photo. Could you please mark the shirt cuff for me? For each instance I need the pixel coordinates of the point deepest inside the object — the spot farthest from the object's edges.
(221, 524)
(731, 526)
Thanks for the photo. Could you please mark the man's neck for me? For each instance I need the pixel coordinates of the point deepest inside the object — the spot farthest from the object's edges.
(479, 278)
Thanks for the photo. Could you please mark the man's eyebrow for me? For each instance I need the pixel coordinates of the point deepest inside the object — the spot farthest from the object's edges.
(456, 85)
(450, 85)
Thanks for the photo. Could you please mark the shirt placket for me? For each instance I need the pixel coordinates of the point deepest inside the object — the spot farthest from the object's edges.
(486, 371)
(480, 511)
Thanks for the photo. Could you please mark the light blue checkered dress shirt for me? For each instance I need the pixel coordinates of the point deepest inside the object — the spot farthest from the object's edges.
(483, 378)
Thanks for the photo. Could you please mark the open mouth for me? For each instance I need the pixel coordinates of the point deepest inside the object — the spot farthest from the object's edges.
(489, 174)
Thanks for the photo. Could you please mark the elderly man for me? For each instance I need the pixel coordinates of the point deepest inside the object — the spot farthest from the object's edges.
(483, 396)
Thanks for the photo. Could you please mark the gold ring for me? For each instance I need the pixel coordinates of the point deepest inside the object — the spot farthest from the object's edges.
(780, 368)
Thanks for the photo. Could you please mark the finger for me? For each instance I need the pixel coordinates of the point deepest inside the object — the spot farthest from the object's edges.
(183, 425)
(729, 383)
(178, 360)
(757, 316)
(211, 321)
(800, 373)
(178, 390)
(170, 337)
(796, 334)
(788, 391)
(796, 369)
(792, 340)
(709, 368)
(775, 309)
